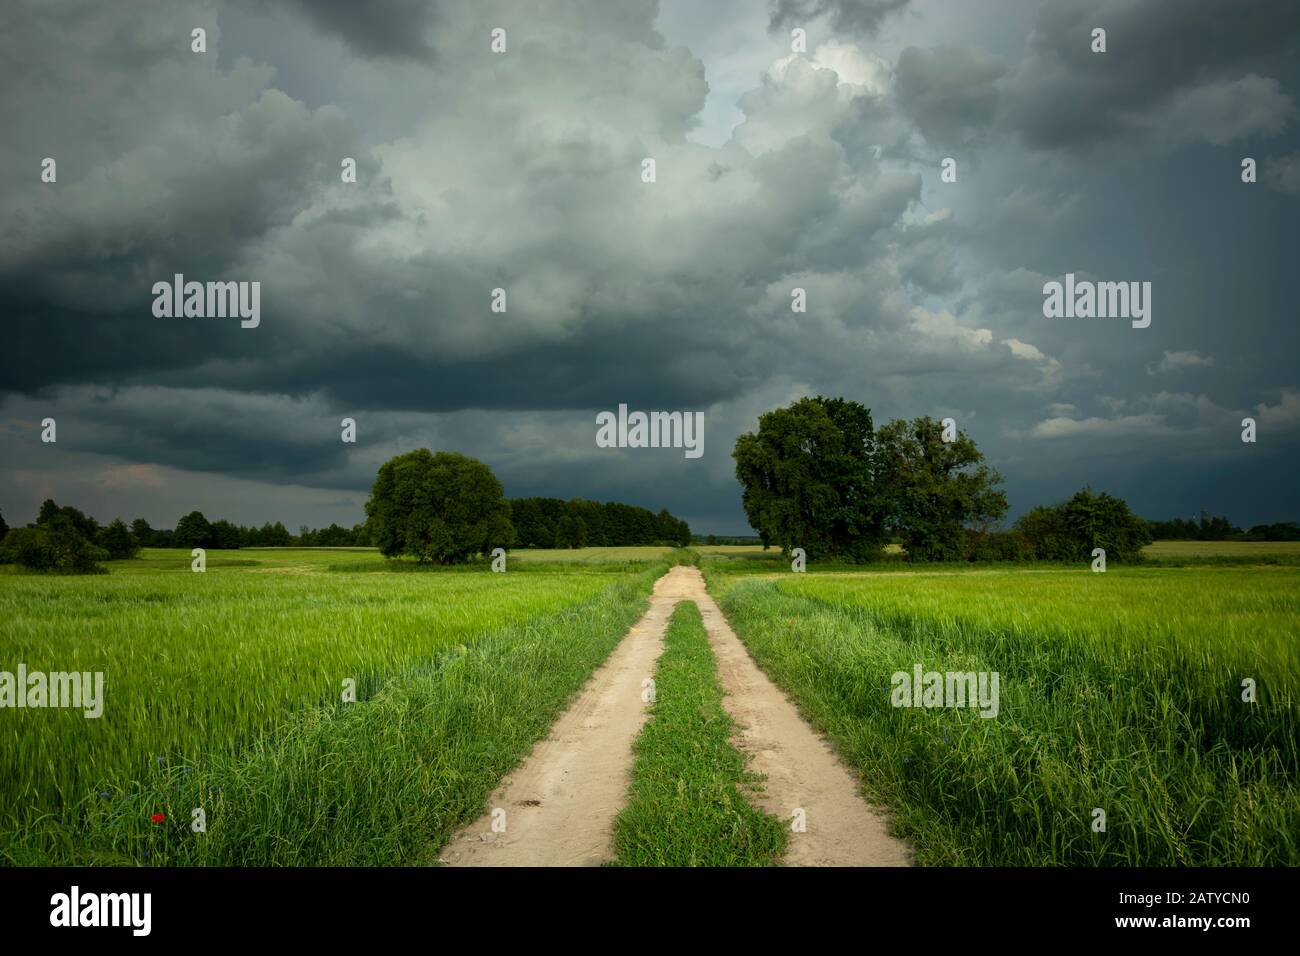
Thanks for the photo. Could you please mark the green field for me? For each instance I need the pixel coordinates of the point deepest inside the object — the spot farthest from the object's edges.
(1157, 549)
(753, 559)
(1218, 549)
(218, 686)
(1120, 691)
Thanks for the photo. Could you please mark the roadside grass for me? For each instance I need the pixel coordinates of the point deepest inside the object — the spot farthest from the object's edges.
(1120, 691)
(232, 681)
(688, 804)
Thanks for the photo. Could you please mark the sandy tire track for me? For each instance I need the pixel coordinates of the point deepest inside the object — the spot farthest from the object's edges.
(560, 803)
(801, 768)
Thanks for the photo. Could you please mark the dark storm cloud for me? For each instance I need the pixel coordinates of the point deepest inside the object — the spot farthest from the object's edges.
(600, 304)
(636, 365)
(1063, 94)
(238, 434)
(949, 92)
(375, 27)
(853, 17)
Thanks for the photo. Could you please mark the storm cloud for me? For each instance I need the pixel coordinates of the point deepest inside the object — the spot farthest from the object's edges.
(523, 171)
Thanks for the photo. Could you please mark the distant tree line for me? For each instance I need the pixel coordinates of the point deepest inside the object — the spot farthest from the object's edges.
(1208, 528)
(725, 539)
(578, 523)
(440, 507)
(194, 530)
(62, 539)
(817, 475)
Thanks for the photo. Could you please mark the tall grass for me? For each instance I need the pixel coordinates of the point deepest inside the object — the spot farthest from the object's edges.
(1120, 691)
(232, 680)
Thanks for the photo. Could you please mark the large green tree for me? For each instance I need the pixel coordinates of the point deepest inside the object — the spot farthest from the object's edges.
(82, 524)
(193, 531)
(810, 480)
(142, 532)
(440, 507)
(939, 491)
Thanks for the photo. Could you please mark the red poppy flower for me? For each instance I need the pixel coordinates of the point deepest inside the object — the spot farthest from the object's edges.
(157, 818)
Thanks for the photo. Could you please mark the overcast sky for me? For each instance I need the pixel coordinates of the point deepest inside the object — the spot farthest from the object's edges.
(522, 170)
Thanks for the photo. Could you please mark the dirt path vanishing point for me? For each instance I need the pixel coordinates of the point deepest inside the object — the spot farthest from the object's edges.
(560, 803)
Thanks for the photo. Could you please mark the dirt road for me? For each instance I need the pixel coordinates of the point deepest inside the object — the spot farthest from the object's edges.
(803, 772)
(558, 807)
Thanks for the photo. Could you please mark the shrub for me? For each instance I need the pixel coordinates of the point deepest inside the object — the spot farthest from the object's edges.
(1071, 530)
(996, 546)
(53, 548)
